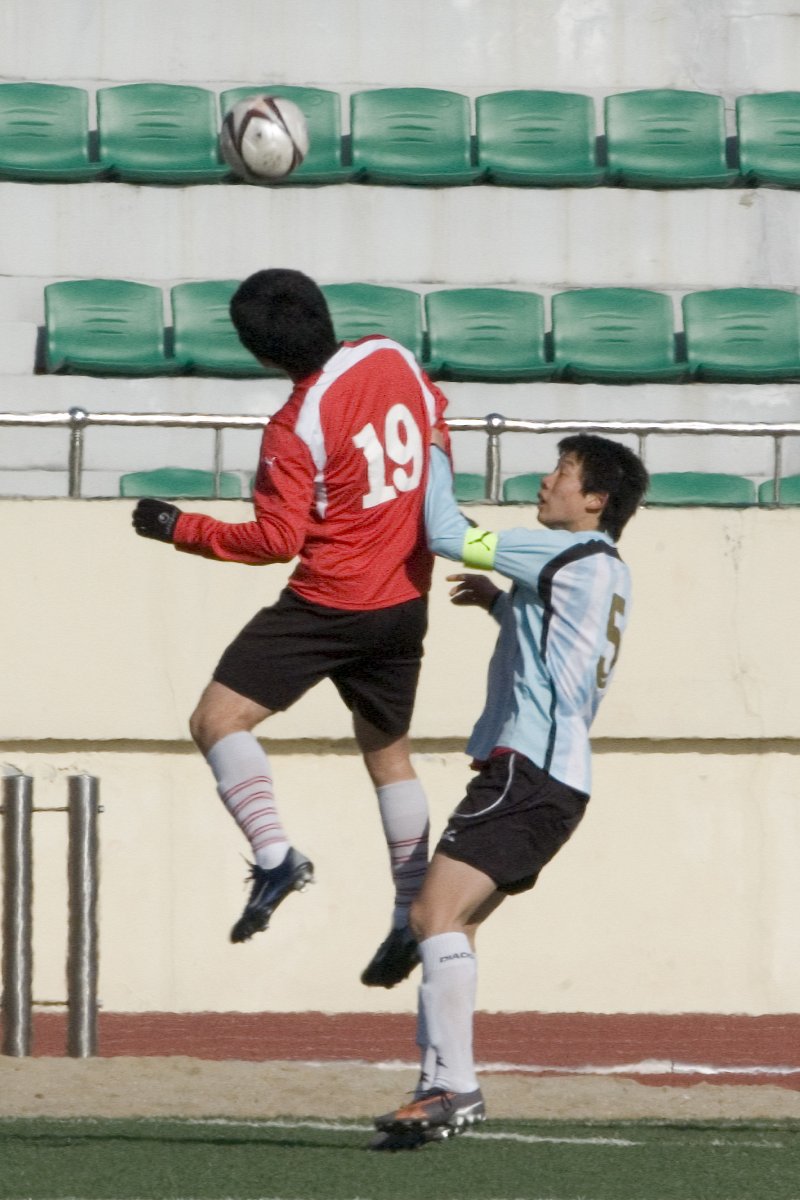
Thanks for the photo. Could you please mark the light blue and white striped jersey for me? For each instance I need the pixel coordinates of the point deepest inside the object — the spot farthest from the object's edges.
(560, 630)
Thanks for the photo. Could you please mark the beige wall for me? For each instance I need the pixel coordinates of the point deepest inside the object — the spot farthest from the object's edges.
(679, 893)
(111, 636)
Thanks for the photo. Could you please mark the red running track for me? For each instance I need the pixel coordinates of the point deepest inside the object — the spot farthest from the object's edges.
(655, 1048)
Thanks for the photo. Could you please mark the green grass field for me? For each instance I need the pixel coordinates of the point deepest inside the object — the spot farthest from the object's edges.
(178, 1159)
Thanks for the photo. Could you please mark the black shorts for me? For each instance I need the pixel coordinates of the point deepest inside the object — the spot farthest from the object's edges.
(512, 821)
(372, 657)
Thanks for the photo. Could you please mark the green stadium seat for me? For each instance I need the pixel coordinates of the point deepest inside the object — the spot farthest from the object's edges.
(789, 492)
(322, 111)
(538, 139)
(411, 136)
(522, 489)
(711, 489)
(205, 340)
(486, 333)
(666, 138)
(468, 485)
(742, 334)
(619, 335)
(159, 133)
(359, 309)
(768, 128)
(44, 133)
(175, 483)
(105, 327)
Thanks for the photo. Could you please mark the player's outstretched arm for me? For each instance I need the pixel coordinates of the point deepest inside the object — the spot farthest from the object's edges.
(156, 519)
(283, 498)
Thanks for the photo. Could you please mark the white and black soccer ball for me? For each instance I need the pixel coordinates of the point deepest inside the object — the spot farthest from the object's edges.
(264, 137)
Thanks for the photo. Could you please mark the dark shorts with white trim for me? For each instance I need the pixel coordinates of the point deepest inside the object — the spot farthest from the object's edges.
(372, 657)
(513, 819)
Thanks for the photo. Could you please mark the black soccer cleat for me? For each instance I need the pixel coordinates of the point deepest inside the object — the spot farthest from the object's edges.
(436, 1113)
(270, 887)
(407, 1139)
(393, 961)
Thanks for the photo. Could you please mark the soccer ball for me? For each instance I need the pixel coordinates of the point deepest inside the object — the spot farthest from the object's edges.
(263, 138)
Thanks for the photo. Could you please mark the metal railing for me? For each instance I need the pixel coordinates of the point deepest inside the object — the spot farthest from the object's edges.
(494, 426)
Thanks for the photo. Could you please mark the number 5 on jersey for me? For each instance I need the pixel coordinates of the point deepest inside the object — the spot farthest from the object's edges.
(614, 635)
(402, 445)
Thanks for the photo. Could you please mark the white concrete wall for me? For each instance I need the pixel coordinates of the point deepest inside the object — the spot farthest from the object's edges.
(546, 240)
(679, 893)
(473, 45)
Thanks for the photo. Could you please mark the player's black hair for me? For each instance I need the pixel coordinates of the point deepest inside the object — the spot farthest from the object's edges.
(610, 468)
(282, 316)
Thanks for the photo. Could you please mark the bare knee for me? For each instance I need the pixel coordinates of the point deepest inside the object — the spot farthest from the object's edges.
(454, 898)
(387, 757)
(221, 711)
(202, 729)
(385, 769)
(426, 921)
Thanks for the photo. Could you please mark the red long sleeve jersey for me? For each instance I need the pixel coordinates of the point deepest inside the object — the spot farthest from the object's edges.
(341, 483)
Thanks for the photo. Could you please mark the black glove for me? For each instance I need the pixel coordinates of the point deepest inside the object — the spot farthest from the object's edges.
(155, 519)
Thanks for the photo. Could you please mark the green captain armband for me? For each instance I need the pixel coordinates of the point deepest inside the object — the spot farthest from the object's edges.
(479, 548)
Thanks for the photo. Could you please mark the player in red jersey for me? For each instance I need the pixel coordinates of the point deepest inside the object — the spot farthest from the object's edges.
(340, 484)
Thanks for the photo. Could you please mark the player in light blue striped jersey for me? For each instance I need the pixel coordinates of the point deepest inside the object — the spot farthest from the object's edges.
(561, 625)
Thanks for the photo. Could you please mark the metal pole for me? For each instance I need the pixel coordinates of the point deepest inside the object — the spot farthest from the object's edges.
(17, 913)
(777, 469)
(82, 870)
(495, 423)
(78, 418)
(217, 462)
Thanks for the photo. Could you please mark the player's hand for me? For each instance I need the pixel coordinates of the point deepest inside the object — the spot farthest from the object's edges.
(437, 439)
(473, 589)
(155, 519)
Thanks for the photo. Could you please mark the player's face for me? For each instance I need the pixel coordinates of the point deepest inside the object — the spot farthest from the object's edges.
(563, 504)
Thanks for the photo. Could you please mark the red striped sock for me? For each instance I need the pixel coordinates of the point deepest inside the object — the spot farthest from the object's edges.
(244, 781)
(404, 814)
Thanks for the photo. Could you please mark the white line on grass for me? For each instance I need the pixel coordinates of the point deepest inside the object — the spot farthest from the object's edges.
(333, 1126)
(649, 1066)
(359, 1127)
(747, 1145)
(555, 1141)
(341, 1126)
(355, 1127)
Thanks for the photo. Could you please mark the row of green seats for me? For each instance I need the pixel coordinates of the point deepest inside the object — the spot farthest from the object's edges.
(168, 133)
(625, 335)
(181, 483)
(669, 488)
(714, 489)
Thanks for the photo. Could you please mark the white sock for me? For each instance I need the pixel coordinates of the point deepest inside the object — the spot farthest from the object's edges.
(244, 781)
(427, 1054)
(447, 998)
(404, 815)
